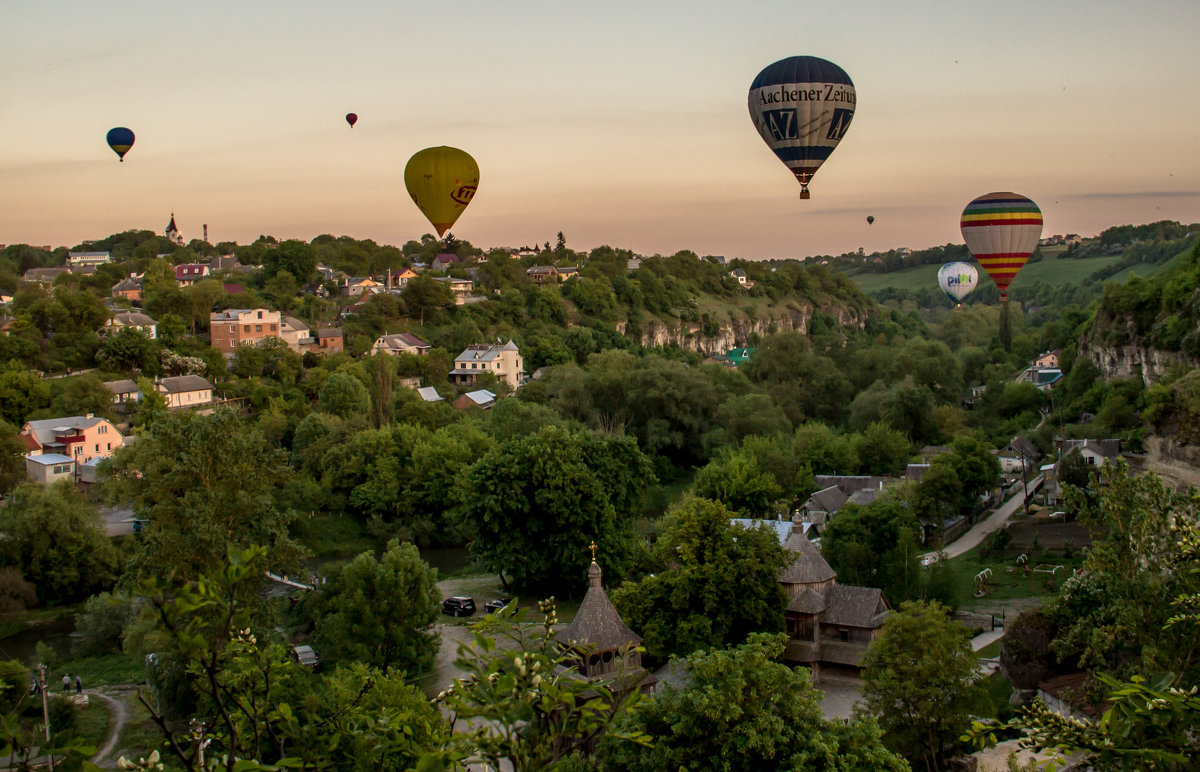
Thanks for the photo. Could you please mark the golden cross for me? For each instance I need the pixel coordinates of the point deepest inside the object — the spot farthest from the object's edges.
(592, 547)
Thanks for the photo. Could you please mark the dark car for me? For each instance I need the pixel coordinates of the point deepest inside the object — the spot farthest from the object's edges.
(459, 606)
(497, 604)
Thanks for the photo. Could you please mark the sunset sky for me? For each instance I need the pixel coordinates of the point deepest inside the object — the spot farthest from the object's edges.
(621, 123)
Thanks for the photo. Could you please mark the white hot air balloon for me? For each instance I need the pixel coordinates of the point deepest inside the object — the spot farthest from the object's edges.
(957, 280)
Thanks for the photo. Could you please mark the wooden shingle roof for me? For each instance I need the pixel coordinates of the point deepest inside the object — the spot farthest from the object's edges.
(854, 606)
(597, 625)
(807, 566)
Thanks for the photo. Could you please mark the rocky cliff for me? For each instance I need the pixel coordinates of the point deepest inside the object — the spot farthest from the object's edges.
(1131, 360)
(734, 333)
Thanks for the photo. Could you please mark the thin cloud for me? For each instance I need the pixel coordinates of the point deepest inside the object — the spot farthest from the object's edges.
(1134, 194)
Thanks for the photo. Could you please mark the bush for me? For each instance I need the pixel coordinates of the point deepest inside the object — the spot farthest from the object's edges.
(101, 623)
(16, 594)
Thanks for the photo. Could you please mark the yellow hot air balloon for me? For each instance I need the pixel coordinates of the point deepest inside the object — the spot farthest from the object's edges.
(442, 181)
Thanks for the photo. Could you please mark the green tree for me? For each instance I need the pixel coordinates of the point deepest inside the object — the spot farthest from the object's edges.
(56, 540)
(381, 612)
(736, 480)
(719, 583)
(882, 450)
(424, 297)
(344, 396)
(920, 681)
(532, 504)
(128, 350)
(743, 710)
(875, 546)
(12, 457)
(205, 484)
(22, 392)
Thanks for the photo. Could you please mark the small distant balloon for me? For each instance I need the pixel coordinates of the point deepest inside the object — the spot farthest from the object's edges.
(442, 181)
(351, 119)
(870, 219)
(120, 139)
(957, 280)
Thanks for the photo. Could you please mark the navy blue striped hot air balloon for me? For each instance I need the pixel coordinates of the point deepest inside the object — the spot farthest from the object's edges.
(802, 107)
(120, 140)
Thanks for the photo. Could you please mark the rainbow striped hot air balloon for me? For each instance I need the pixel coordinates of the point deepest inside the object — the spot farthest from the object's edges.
(1002, 230)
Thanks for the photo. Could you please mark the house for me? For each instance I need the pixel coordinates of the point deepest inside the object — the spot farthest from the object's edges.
(1018, 456)
(190, 273)
(125, 392)
(1048, 359)
(460, 289)
(542, 274)
(44, 275)
(482, 399)
(740, 276)
(129, 288)
(849, 484)
(735, 357)
(355, 286)
(1043, 377)
(443, 262)
(601, 644)
(914, 472)
(633, 263)
(400, 343)
(49, 468)
(502, 361)
(79, 437)
(1094, 452)
(398, 280)
(184, 391)
(140, 322)
(826, 622)
(818, 507)
(429, 394)
(233, 327)
(329, 340)
(80, 259)
(296, 334)
(567, 272)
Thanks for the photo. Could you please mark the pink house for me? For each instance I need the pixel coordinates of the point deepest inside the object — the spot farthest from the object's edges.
(79, 438)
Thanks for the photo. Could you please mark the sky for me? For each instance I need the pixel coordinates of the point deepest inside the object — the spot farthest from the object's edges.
(622, 123)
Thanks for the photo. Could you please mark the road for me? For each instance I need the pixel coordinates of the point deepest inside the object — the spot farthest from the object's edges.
(117, 522)
(993, 522)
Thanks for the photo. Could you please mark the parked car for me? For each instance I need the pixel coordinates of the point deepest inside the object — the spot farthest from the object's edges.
(459, 606)
(497, 604)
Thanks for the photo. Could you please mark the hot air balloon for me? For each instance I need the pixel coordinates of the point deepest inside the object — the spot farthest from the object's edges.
(442, 181)
(870, 219)
(120, 140)
(957, 280)
(1002, 230)
(802, 107)
(351, 119)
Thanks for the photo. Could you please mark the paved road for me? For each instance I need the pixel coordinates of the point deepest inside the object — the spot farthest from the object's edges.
(995, 521)
(117, 522)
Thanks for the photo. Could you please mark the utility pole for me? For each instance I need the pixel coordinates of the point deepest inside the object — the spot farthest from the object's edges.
(45, 710)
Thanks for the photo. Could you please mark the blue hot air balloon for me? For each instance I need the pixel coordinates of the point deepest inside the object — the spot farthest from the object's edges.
(802, 107)
(120, 140)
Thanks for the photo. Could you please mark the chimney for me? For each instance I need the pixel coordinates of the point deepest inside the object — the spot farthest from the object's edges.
(205, 233)
(89, 415)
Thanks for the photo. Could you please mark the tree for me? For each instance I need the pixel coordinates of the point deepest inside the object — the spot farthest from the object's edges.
(736, 480)
(12, 457)
(882, 450)
(720, 582)
(344, 396)
(128, 350)
(56, 540)
(875, 546)
(205, 484)
(293, 256)
(920, 680)
(532, 505)
(743, 710)
(22, 391)
(423, 296)
(381, 612)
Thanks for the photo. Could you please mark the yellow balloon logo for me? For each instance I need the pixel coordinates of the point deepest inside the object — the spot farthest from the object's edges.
(442, 181)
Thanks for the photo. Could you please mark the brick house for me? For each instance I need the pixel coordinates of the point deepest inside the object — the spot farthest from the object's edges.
(542, 274)
(234, 326)
(129, 288)
(190, 273)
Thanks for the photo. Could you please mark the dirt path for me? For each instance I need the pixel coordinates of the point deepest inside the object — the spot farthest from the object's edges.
(119, 717)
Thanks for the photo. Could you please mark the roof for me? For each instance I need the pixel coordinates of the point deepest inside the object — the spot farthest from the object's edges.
(294, 323)
(854, 606)
(429, 394)
(447, 257)
(807, 601)
(191, 270)
(483, 352)
(782, 528)
(828, 499)
(126, 386)
(807, 567)
(87, 254)
(863, 497)
(1110, 448)
(128, 284)
(46, 459)
(541, 269)
(44, 429)
(915, 472)
(1024, 447)
(849, 483)
(132, 319)
(329, 332)
(481, 397)
(597, 623)
(182, 383)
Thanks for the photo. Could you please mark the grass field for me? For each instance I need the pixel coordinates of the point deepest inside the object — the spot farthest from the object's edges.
(1049, 270)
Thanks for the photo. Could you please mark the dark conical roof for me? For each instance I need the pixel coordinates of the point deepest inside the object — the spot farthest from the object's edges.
(807, 566)
(597, 624)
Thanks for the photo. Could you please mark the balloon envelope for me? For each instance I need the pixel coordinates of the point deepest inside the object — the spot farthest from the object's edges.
(351, 119)
(120, 139)
(957, 280)
(1002, 230)
(802, 107)
(870, 219)
(442, 181)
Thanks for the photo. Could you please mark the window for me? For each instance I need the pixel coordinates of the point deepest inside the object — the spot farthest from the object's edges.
(78, 450)
(232, 329)
(97, 447)
(102, 430)
(109, 446)
(246, 328)
(272, 328)
(260, 314)
(258, 328)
